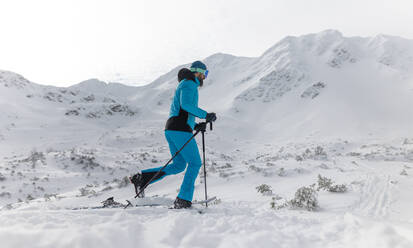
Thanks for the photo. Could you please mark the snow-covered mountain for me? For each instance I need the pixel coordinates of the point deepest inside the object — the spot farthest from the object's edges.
(319, 104)
(317, 84)
(314, 85)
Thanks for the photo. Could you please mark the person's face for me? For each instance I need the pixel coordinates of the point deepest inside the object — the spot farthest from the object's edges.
(200, 77)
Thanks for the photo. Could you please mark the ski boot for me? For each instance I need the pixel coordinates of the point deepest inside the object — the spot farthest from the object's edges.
(141, 179)
(138, 183)
(181, 203)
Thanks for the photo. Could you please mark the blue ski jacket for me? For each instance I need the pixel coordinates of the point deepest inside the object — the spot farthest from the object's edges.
(184, 107)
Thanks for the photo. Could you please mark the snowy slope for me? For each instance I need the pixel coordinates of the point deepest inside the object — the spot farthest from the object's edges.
(318, 104)
(312, 86)
(315, 85)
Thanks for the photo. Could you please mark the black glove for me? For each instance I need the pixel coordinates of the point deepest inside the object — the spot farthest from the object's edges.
(210, 117)
(200, 126)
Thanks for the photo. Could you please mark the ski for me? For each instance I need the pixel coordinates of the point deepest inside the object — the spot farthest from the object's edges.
(110, 203)
(163, 204)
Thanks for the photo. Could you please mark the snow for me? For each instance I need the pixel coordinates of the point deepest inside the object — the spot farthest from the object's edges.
(318, 104)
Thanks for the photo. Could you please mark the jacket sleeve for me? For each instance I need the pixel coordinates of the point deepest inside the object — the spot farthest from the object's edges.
(187, 101)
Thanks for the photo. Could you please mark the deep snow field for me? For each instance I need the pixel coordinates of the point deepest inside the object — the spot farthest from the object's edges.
(49, 183)
(319, 105)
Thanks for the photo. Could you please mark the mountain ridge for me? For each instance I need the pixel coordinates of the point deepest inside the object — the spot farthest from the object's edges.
(314, 83)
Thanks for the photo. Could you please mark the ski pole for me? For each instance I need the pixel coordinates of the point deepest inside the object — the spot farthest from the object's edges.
(203, 151)
(157, 173)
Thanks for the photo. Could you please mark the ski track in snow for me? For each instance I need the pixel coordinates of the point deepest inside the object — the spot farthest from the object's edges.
(375, 195)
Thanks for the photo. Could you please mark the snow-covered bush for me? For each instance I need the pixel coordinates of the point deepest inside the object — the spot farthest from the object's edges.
(109, 110)
(255, 168)
(226, 174)
(119, 108)
(107, 188)
(325, 183)
(49, 197)
(35, 157)
(86, 191)
(72, 112)
(264, 189)
(299, 158)
(319, 152)
(404, 173)
(305, 198)
(29, 197)
(338, 188)
(87, 160)
(144, 155)
(282, 172)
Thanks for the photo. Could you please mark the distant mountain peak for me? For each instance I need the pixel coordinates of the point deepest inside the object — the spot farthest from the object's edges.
(14, 80)
(92, 83)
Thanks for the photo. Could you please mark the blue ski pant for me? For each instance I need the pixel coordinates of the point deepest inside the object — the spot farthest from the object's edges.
(188, 158)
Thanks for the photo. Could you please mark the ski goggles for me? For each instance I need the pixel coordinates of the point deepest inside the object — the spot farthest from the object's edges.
(205, 72)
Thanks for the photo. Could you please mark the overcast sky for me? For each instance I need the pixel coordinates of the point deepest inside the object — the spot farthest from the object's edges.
(61, 42)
